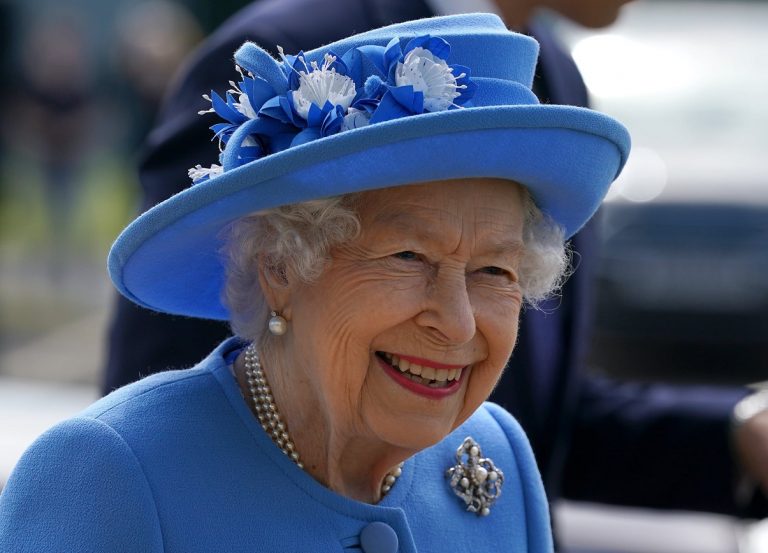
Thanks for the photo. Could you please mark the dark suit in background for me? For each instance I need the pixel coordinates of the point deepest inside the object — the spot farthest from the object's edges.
(594, 439)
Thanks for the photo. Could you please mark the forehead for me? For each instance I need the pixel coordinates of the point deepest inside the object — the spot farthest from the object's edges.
(491, 204)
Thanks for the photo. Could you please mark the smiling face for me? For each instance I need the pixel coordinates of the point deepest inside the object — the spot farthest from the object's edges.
(407, 330)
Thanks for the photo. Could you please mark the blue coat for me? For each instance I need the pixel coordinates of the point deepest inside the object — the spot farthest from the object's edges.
(594, 439)
(177, 463)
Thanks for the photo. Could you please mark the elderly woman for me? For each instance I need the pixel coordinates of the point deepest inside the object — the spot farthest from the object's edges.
(379, 219)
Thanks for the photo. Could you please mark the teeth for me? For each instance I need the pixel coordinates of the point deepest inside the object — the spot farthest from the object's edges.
(423, 375)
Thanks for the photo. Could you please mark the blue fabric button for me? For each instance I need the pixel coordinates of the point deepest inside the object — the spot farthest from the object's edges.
(378, 537)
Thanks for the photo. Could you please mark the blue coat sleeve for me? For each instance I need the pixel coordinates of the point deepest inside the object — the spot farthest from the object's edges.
(79, 487)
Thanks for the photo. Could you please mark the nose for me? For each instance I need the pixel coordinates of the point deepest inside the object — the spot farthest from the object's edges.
(448, 312)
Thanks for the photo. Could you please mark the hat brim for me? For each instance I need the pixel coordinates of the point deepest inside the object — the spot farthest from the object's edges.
(169, 258)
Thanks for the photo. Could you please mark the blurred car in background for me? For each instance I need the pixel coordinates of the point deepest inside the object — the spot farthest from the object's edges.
(683, 281)
(682, 286)
(683, 292)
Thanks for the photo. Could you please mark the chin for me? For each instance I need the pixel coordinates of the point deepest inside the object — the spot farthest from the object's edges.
(415, 435)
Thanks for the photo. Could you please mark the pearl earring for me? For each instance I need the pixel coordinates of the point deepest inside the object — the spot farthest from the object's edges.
(277, 324)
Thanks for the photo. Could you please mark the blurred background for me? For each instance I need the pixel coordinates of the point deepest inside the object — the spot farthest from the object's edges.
(685, 229)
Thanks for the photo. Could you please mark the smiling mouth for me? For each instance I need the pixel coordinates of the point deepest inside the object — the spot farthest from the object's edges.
(420, 374)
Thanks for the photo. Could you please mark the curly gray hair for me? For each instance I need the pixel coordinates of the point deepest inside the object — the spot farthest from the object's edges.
(298, 238)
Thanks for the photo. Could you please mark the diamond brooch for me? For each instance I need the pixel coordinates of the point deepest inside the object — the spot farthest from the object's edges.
(475, 479)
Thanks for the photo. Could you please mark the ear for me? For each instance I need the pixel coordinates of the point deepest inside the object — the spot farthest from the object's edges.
(277, 286)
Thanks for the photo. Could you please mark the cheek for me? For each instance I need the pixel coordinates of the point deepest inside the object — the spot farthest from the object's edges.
(496, 314)
(371, 303)
(497, 320)
(343, 316)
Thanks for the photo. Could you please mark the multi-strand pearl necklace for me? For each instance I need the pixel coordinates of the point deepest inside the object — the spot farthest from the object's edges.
(273, 424)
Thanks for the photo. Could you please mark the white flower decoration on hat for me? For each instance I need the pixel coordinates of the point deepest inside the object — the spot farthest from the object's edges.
(243, 105)
(198, 172)
(322, 84)
(299, 100)
(431, 76)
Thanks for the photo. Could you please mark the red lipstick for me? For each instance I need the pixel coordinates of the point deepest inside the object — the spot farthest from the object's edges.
(422, 389)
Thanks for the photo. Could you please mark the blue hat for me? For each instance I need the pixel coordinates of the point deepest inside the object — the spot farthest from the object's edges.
(433, 99)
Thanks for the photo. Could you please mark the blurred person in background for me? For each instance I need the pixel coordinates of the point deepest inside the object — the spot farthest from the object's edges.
(81, 89)
(6, 39)
(7, 36)
(152, 39)
(81, 85)
(52, 118)
(595, 439)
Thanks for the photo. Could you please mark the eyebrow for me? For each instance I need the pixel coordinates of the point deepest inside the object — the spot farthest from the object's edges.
(512, 248)
(420, 227)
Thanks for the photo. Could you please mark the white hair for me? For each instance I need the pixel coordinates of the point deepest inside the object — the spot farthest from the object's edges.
(297, 239)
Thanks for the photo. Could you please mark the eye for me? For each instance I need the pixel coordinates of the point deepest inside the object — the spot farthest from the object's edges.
(495, 271)
(406, 255)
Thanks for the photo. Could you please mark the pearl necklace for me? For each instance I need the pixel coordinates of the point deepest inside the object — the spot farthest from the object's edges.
(271, 421)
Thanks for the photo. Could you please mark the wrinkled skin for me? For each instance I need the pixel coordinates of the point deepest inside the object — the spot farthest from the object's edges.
(433, 274)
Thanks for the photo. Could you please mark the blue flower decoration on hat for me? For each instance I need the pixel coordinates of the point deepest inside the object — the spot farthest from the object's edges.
(420, 80)
(303, 100)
